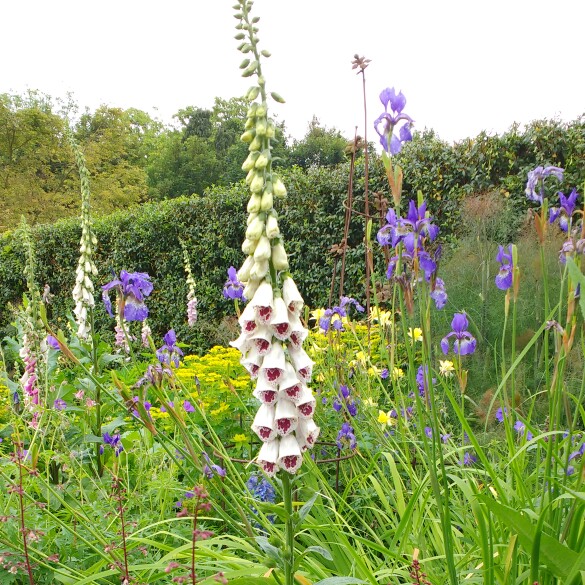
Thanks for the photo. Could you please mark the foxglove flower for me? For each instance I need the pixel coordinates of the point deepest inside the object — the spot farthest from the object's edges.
(464, 343)
(564, 213)
(504, 278)
(386, 124)
(191, 298)
(132, 289)
(535, 184)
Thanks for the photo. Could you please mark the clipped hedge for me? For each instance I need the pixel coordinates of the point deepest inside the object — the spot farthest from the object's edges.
(146, 239)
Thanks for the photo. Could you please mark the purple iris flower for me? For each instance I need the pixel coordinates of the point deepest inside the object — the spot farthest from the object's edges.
(327, 322)
(169, 352)
(261, 489)
(520, 428)
(209, 469)
(439, 294)
(233, 288)
(390, 235)
(384, 373)
(468, 459)
(429, 432)
(421, 380)
(419, 223)
(346, 437)
(387, 122)
(536, 180)
(52, 342)
(464, 343)
(504, 278)
(565, 212)
(114, 442)
(133, 288)
(188, 406)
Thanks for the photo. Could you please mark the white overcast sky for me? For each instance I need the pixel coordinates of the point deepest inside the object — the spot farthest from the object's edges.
(464, 65)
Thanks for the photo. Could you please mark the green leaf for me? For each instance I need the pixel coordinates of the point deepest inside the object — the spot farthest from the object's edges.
(304, 511)
(579, 279)
(558, 558)
(340, 581)
(320, 550)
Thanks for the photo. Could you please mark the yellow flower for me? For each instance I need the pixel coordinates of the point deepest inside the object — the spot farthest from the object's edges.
(240, 438)
(415, 334)
(374, 371)
(383, 317)
(397, 373)
(360, 356)
(446, 368)
(384, 418)
(223, 407)
(370, 402)
(316, 314)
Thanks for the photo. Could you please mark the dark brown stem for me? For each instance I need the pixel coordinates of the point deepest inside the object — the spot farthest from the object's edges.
(119, 496)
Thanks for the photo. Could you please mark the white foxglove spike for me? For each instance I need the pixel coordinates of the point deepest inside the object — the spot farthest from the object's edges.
(264, 425)
(302, 362)
(307, 433)
(292, 296)
(268, 457)
(286, 417)
(289, 454)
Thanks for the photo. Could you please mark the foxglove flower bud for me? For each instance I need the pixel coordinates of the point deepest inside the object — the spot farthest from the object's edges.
(259, 270)
(278, 187)
(279, 259)
(272, 229)
(267, 202)
(263, 250)
(254, 203)
(257, 184)
(244, 271)
(248, 248)
(255, 229)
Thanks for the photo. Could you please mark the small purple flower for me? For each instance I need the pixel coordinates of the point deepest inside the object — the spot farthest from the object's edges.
(439, 294)
(520, 428)
(468, 459)
(387, 122)
(59, 404)
(114, 442)
(261, 489)
(332, 317)
(445, 438)
(421, 380)
(345, 437)
(170, 351)
(536, 180)
(504, 278)
(464, 343)
(500, 414)
(429, 432)
(52, 342)
(133, 288)
(209, 469)
(233, 288)
(565, 212)
(384, 373)
(188, 406)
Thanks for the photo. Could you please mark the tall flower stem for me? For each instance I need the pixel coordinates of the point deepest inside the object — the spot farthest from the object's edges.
(289, 535)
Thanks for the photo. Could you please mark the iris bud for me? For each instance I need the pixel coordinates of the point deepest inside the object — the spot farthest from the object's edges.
(257, 184)
(279, 258)
(263, 250)
(272, 229)
(254, 203)
(278, 187)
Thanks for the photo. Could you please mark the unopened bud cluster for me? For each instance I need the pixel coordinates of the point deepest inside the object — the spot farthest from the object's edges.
(272, 332)
(83, 289)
